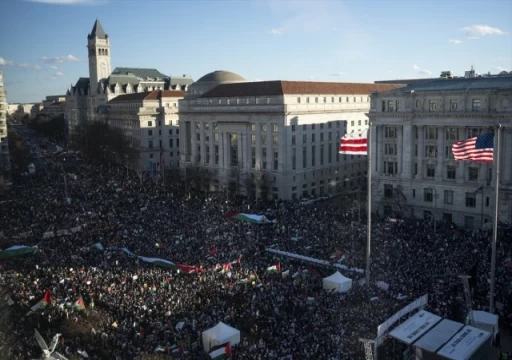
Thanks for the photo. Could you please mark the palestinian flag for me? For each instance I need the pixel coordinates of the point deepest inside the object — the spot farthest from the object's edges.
(216, 267)
(158, 262)
(45, 301)
(159, 245)
(220, 352)
(17, 250)
(275, 268)
(79, 304)
(227, 267)
(250, 218)
(161, 348)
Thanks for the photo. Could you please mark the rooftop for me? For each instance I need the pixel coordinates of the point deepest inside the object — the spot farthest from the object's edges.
(148, 95)
(141, 73)
(97, 31)
(462, 84)
(221, 76)
(279, 87)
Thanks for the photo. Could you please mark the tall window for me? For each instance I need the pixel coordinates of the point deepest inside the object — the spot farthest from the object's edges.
(431, 170)
(294, 159)
(388, 191)
(321, 154)
(430, 151)
(304, 158)
(391, 105)
(472, 173)
(448, 197)
(390, 149)
(216, 154)
(428, 195)
(313, 157)
(450, 172)
(454, 104)
(390, 132)
(253, 157)
(475, 105)
(470, 200)
(451, 134)
(430, 133)
(432, 105)
(264, 158)
(276, 160)
(390, 167)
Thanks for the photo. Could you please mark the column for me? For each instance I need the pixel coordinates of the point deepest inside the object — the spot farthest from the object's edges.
(240, 151)
(227, 150)
(407, 151)
(221, 150)
(247, 150)
(211, 144)
(399, 145)
(506, 155)
(193, 141)
(202, 135)
(421, 150)
(441, 136)
(258, 146)
(374, 143)
(380, 149)
(270, 151)
(459, 178)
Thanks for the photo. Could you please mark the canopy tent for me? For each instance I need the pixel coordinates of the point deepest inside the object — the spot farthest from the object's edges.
(485, 321)
(337, 282)
(220, 334)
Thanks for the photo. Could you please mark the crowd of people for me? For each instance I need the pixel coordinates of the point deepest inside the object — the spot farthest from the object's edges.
(135, 308)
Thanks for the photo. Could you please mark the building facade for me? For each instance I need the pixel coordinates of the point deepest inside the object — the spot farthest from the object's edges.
(89, 93)
(283, 133)
(413, 129)
(5, 163)
(150, 122)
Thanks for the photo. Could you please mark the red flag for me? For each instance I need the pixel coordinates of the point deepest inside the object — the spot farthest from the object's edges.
(354, 143)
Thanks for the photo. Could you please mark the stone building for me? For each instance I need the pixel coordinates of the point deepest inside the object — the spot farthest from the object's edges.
(283, 133)
(150, 122)
(89, 93)
(5, 163)
(413, 129)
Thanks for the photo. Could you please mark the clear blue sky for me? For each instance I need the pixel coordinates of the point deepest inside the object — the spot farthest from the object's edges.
(322, 40)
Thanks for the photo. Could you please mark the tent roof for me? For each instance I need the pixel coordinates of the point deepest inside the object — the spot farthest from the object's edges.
(414, 327)
(221, 331)
(485, 317)
(337, 277)
(464, 343)
(438, 335)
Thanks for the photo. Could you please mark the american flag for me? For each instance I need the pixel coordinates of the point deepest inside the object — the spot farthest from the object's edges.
(355, 143)
(477, 149)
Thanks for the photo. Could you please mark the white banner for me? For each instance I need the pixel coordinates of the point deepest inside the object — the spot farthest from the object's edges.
(313, 260)
(384, 327)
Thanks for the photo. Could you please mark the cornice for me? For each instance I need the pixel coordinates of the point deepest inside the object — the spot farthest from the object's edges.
(456, 115)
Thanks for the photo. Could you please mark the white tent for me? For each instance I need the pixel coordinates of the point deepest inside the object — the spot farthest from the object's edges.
(337, 282)
(485, 321)
(220, 334)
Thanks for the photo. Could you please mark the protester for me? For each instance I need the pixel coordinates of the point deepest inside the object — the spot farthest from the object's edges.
(133, 307)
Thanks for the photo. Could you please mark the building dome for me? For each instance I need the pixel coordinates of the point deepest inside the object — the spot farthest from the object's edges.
(221, 76)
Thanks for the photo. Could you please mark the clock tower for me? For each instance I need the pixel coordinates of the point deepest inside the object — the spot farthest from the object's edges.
(98, 44)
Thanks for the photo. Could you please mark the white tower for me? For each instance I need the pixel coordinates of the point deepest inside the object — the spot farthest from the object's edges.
(98, 44)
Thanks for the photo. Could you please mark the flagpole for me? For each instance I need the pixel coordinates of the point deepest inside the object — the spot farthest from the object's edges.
(369, 224)
(495, 222)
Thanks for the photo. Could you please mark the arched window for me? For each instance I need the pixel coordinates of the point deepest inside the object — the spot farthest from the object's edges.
(106, 52)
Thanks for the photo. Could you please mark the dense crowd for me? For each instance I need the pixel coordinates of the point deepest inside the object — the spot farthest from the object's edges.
(133, 307)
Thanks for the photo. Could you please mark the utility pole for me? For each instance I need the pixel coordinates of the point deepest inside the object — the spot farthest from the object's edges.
(467, 296)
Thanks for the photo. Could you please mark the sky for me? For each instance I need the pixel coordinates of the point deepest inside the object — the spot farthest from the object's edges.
(43, 42)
